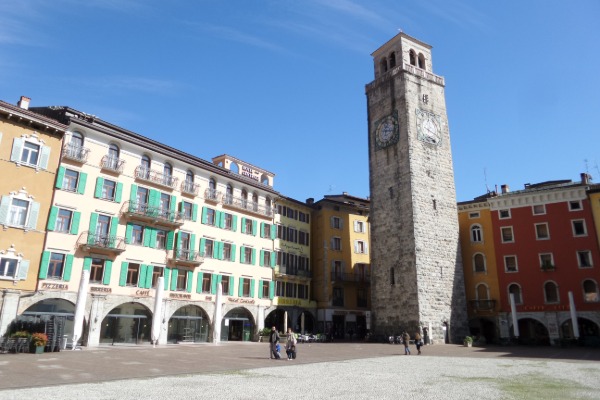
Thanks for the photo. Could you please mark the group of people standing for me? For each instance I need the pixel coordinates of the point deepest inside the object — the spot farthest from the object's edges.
(418, 342)
(275, 347)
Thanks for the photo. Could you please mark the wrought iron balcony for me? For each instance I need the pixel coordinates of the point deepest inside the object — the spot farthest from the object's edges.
(190, 188)
(156, 177)
(156, 215)
(90, 241)
(483, 305)
(212, 195)
(285, 270)
(75, 153)
(243, 204)
(187, 257)
(350, 277)
(112, 164)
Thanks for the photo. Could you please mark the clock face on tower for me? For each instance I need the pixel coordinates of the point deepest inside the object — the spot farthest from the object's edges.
(428, 127)
(386, 132)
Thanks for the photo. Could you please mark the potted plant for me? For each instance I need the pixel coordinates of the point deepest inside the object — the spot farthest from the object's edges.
(468, 341)
(38, 341)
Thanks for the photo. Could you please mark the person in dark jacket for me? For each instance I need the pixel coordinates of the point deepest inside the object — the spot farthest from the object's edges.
(273, 341)
(406, 340)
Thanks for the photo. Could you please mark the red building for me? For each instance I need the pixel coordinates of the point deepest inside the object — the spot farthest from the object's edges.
(546, 247)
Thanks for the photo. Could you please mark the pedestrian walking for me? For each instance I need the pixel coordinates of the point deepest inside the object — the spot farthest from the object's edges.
(273, 342)
(406, 340)
(290, 345)
(418, 341)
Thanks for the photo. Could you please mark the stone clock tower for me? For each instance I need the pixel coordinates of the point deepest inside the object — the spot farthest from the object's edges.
(417, 273)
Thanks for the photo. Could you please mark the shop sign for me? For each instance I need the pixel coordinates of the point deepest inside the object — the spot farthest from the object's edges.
(180, 296)
(241, 301)
(142, 293)
(55, 286)
(249, 173)
(100, 289)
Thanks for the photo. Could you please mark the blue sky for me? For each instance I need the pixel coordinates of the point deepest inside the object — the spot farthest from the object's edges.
(280, 84)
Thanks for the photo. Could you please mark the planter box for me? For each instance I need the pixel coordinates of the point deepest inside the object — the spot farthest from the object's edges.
(39, 350)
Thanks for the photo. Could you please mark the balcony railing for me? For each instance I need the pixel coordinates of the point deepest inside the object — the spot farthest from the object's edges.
(243, 204)
(75, 153)
(155, 177)
(98, 242)
(285, 270)
(212, 195)
(191, 257)
(190, 188)
(350, 277)
(483, 305)
(135, 209)
(410, 68)
(112, 164)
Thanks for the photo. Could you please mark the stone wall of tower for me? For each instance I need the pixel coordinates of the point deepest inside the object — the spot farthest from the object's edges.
(414, 220)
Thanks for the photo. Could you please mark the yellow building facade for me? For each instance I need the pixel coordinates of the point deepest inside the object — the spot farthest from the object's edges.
(30, 148)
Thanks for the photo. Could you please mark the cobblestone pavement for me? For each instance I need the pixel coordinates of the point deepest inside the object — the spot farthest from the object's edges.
(323, 370)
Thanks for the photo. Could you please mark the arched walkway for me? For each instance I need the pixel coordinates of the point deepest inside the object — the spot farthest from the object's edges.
(305, 323)
(533, 332)
(237, 325)
(276, 318)
(52, 316)
(127, 323)
(188, 324)
(484, 329)
(588, 331)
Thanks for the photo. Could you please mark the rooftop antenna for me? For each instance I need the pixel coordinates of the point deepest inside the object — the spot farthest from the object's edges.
(485, 179)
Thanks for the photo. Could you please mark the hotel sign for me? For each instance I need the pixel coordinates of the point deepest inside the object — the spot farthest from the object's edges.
(250, 173)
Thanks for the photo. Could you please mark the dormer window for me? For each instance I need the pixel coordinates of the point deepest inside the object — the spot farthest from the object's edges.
(422, 61)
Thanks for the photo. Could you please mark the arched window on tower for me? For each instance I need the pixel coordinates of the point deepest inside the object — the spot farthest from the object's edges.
(516, 291)
(229, 194)
(392, 60)
(551, 292)
(244, 198)
(422, 61)
(383, 65)
(145, 167)
(254, 201)
(412, 57)
(167, 174)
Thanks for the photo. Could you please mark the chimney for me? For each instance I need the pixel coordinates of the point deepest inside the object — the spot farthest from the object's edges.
(24, 102)
(505, 188)
(585, 178)
(310, 200)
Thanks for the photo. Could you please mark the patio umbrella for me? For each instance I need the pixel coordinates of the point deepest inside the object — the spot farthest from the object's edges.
(218, 316)
(157, 318)
(513, 310)
(285, 322)
(302, 323)
(80, 307)
(573, 316)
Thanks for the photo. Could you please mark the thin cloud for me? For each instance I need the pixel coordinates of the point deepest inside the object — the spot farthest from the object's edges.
(458, 13)
(129, 84)
(354, 10)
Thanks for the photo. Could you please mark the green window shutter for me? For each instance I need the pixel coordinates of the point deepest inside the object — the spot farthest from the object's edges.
(190, 280)
(260, 285)
(234, 223)
(52, 219)
(87, 263)
(252, 282)
(133, 193)
(166, 278)
(114, 225)
(194, 212)
(154, 198)
(142, 278)
(233, 246)
(222, 224)
(93, 223)
(60, 177)
(271, 290)
(243, 224)
(81, 183)
(149, 274)
(199, 281)
(15, 155)
(44, 157)
(173, 206)
(119, 192)
(262, 229)
(170, 238)
(193, 241)
(107, 271)
(273, 260)
(99, 185)
(214, 284)
(202, 246)
(147, 236)
(242, 255)
(178, 246)
(261, 261)
(123, 275)
(216, 249)
(34, 211)
(128, 233)
(231, 285)
(221, 247)
(23, 265)
(174, 273)
(253, 259)
(44, 265)
(153, 235)
(75, 223)
(254, 225)
(204, 212)
(273, 232)
(241, 287)
(68, 267)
